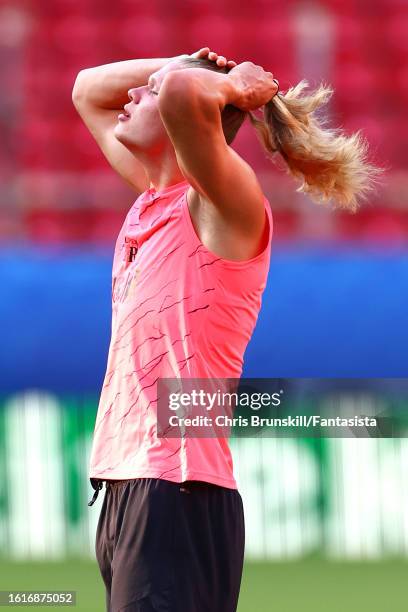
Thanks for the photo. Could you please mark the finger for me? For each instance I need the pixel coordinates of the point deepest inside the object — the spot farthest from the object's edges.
(231, 63)
(212, 55)
(221, 61)
(200, 53)
(203, 52)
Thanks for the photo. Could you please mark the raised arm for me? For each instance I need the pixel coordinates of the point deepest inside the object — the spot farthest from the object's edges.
(190, 104)
(99, 95)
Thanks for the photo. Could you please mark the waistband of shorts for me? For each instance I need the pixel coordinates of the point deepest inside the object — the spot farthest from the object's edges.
(185, 487)
(113, 483)
(190, 484)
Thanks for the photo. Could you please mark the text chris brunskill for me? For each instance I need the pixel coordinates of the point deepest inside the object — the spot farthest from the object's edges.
(284, 407)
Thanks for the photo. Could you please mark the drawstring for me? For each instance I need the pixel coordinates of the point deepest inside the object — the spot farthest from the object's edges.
(97, 485)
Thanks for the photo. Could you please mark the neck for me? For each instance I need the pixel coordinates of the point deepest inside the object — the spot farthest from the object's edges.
(162, 170)
(163, 179)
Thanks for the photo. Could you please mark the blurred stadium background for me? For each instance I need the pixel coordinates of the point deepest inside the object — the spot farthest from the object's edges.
(327, 520)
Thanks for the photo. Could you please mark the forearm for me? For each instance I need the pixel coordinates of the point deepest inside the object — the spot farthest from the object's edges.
(197, 86)
(106, 86)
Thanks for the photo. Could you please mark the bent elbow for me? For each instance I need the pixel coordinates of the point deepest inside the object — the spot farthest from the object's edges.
(79, 87)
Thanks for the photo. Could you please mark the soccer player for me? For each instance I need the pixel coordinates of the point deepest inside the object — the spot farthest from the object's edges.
(190, 266)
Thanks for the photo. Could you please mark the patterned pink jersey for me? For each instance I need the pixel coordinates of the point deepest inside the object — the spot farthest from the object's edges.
(178, 311)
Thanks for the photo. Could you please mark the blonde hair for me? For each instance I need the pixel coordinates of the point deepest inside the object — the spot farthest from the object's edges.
(330, 165)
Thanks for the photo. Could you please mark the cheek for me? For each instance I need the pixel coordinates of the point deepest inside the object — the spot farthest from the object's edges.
(148, 117)
(151, 122)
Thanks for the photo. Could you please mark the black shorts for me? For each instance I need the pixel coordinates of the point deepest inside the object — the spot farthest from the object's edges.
(168, 547)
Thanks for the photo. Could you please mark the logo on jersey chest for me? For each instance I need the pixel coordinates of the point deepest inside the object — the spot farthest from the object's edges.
(124, 285)
(131, 249)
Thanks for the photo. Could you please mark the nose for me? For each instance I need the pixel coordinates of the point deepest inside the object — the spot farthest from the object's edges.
(132, 93)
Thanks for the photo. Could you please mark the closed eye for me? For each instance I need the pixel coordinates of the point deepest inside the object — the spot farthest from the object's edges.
(155, 93)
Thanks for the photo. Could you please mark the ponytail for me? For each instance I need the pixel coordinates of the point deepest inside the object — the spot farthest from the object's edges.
(329, 164)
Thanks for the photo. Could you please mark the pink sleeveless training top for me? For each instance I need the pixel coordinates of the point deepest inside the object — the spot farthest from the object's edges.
(178, 311)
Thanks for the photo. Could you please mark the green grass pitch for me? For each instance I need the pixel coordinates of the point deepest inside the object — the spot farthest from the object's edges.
(314, 585)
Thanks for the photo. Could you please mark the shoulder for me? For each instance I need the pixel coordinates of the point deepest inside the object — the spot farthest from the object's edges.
(225, 235)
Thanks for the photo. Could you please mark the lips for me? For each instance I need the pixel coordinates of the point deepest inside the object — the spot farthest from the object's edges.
(125, 115)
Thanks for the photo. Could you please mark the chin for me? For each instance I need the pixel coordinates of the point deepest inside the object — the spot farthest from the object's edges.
(121, 135)
(117, 131)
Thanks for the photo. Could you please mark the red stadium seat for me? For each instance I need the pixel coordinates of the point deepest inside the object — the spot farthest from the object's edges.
(52, 144)
(143, 36)
(132, 9)
(397, 138)
(44, 225)
(355, 88)
(60, 147)
(349, 39)
(266, 43)
(76, 37)
(285, 224)
(58, 9)
(50, 92)
(395, 8)
(377, 225)
(264, 9)
(396, 34)
(385, 149)
(400, 81)
(85, 150)
(73, 225)
(341, 7)
(107, 224)
(372, 127)
(218, 33)
(34, 137)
